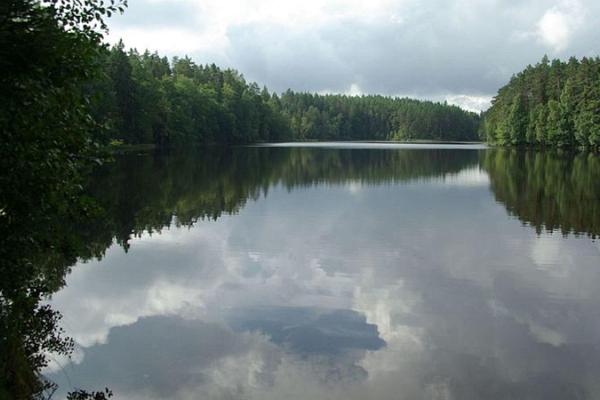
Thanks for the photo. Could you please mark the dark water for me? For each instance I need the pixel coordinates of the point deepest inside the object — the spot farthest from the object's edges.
(340, 272)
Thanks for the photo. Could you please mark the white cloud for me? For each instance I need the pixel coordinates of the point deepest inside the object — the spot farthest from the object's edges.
(167, 40)
(470, 102)
(354, 90)
(554, 29)
(558, 24)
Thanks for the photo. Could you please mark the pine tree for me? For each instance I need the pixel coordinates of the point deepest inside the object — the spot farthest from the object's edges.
(517, 122)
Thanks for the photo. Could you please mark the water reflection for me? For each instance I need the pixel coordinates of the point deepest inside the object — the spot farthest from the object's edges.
(548, 190)
(336, 273)
(143, 192)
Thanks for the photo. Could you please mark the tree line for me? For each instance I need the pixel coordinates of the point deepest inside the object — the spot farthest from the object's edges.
(373, 117)
(146, 98)
(550, 104)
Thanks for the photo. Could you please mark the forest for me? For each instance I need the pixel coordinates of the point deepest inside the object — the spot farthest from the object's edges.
(550, 104)
(145, 98)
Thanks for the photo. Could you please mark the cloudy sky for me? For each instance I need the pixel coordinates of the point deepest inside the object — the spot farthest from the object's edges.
(459, 50)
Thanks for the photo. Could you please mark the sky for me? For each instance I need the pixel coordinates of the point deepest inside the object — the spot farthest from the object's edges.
(461, 51)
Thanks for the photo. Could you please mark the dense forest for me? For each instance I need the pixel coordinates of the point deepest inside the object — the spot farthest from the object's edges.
(146, 98)
(550, 104)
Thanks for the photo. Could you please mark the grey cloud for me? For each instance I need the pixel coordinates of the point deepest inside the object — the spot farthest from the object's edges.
(309, 330)
(282, 59)
(388, 59)
(443, 47)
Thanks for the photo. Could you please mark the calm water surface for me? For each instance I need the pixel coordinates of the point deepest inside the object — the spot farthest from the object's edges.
(340, 272)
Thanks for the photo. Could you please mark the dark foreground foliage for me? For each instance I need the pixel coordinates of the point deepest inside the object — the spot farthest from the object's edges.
(48, 52)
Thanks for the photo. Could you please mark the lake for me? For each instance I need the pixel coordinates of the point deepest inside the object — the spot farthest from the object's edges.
(339, 271)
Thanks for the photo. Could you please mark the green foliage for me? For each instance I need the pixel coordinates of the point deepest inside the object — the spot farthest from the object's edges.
(553, 104)
(340, 117)
(152, 100)
(181, 103)
(517, 122)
